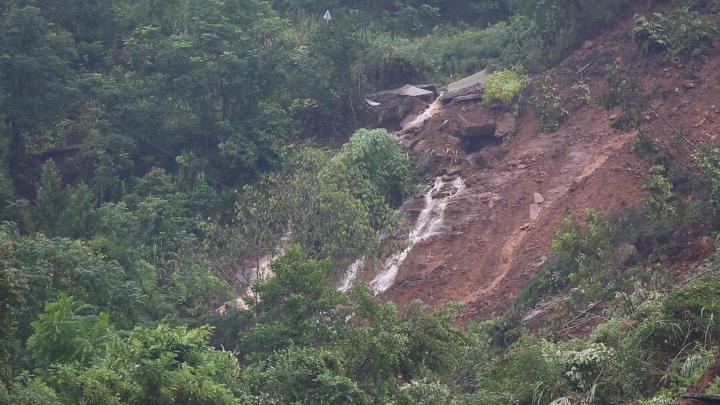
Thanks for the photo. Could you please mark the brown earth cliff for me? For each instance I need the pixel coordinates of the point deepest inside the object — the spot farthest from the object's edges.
(499, 229)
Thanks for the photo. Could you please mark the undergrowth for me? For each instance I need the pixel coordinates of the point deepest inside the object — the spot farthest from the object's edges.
(505, 86)
(549, 106)
(625, 92)
(680, 32)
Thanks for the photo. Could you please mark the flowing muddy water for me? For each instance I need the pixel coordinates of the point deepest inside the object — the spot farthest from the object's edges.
(428, 224)
(432, 110)
(351, 274)
(262, 271)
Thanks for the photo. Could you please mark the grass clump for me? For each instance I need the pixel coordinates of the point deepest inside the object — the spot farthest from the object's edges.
(505, 86)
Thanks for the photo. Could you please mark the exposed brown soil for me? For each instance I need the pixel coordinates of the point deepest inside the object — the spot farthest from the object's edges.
(491, 246)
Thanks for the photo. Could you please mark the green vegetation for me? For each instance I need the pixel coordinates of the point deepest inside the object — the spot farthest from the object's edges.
(505, 86)
(549, 107)
(680, 32)
(624, 92)
(153, 155)
(709, 161)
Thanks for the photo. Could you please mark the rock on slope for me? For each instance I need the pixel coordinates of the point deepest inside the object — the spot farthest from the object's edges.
(519, 191)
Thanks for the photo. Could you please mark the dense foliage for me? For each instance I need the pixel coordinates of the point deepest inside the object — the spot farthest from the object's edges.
(154, 155)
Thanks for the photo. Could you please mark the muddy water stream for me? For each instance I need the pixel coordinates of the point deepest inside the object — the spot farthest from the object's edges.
(428, 224)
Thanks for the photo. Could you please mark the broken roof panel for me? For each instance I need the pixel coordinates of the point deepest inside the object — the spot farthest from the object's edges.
(407, 90)
(411, 91)
(477, 79)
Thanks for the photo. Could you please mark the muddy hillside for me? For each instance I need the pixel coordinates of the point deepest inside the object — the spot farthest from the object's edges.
(517, 184)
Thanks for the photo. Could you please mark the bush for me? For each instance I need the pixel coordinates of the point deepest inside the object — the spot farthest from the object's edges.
(709, 160)
(698, 300)
(623, 91)
(551, 278)
(681, 32)
(505, 86)
(549, 107)
(451, 53)
(649, 35)
(563, 24)
(381, 161)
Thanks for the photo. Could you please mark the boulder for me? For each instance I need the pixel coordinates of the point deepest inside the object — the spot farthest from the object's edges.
(534, 211)
(476, 80)
(478, 161)
(475, 131)
(409, 90)
(702, 247)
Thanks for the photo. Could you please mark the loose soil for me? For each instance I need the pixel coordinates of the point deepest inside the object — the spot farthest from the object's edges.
(494, 238)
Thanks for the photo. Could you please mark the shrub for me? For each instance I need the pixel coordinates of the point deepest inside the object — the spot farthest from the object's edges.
(582, 362)
(659, 198)
(624, 92)
(646, 148)
(549, 107)
(505, 86)
(687, 315)
(699, 300)
(709, 160)
(649, 35)
(381, 161)
(681, 32)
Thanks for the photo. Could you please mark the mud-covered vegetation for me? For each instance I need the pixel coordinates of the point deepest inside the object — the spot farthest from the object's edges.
(155, 156)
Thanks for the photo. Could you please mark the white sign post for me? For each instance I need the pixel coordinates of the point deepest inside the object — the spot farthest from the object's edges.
(327, 17)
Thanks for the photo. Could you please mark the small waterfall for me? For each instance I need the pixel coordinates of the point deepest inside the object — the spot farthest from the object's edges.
(263, 271)
(351, 274)
(429, 112)
(427, 225)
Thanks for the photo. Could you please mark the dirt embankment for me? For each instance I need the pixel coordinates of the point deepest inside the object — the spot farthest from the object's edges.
(499, 231)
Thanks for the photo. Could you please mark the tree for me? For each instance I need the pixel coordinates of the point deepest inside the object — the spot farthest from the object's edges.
(382, 162)
(35, 81)
(659, 198)
(376, 345)
(49, 201)
(77, 217)
(159, 365)
(303, 375)
(262, 217)
(26, 389)
(13, 286)
(52, 266)
(709, 161)
(435, 345)
(207, 75)
(296, 307)
(68, 331)
(333, 224)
